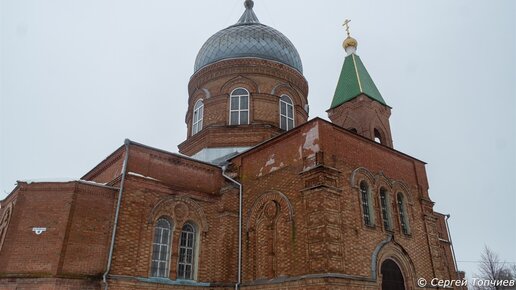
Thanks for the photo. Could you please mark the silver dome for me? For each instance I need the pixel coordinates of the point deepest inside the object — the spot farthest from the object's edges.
(248, 38)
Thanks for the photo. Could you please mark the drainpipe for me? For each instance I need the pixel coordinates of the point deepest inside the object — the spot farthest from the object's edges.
(451, 244)
(239, 271)
(117, 211)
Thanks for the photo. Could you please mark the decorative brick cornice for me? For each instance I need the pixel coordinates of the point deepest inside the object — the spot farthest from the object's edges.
(204, 139)
(110, 160)
(244, 66)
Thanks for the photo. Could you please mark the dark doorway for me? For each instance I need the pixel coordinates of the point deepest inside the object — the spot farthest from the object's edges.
(392, 279)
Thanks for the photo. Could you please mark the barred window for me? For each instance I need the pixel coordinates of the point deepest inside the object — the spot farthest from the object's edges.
(161, 249)
(197, 117)
(366, 210)
(286, 113)
(386, 215)
(185, 264)
(239, 107)
(403, 214)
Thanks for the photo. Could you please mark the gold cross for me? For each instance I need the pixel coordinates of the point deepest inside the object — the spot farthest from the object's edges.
(346, 24)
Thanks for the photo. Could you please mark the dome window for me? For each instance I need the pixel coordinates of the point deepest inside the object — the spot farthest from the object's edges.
(197, 117)
(239, 107)
(286, 113)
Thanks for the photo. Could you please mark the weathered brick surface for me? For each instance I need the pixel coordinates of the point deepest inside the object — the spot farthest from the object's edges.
(302, 219)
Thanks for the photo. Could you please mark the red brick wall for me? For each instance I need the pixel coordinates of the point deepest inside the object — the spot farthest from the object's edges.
(182, 191)
(89, 232)
(48, 284)
(302, 218)
(77, 218)
(327, 206)
(364, 115)
(109, 169)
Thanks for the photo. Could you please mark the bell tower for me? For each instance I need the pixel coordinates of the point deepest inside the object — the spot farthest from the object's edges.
(247, 87)
(357, 103)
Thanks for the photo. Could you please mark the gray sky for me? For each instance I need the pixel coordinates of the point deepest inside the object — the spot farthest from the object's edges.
(77, 77)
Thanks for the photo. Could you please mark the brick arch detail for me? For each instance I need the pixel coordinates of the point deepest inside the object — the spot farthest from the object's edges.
(289, 90)
(263, 199)
(382, 180)
(361, 171)
(181, 210)
(239, 81)
(269, 230)
(350, 123)
(389, 249)
(399, 186)
(377, 180)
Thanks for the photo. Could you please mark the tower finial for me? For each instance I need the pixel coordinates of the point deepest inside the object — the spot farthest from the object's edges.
(350, 44)
(249, 4)
(346, 24)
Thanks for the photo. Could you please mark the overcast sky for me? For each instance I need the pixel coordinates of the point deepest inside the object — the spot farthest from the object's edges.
(78, 77)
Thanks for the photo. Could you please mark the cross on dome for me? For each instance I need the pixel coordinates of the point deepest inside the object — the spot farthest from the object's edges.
(350, 44)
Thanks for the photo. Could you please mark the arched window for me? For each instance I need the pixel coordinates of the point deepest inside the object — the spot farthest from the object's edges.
(185, 262)
(286, 113)
(392, 278)
(354, 130)
(378, 136)
(366, 205)
(386, 215)
(403, 214)
(239, 107)
(161, 249)
(197, 117)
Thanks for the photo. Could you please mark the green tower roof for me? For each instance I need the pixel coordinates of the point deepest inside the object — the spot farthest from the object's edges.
(353, 81)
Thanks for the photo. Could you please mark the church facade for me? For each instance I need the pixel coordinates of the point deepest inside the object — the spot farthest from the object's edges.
(260, 197)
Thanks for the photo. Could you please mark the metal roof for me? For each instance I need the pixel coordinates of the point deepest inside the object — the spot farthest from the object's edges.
(248, 38)
(354, 80)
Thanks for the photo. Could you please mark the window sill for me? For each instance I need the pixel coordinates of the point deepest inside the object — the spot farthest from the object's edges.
(168, 281)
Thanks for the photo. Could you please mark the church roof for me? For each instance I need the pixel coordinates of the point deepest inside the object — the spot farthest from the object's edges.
(354, 80)
(248, 38)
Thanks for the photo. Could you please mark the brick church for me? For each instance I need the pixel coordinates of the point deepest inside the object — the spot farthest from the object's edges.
(260, 197)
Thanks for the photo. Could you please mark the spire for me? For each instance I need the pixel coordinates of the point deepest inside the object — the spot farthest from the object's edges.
(353, 81)
(354, 78)
(248, 17)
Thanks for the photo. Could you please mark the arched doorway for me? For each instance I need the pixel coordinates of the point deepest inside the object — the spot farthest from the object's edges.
(392, 279)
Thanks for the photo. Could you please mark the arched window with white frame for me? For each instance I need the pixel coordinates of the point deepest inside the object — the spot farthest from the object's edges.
(161, 248)
(186, 259)
(286, 113)
(402, 211)
(239, 107)
(366, 204)
(197, 117)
